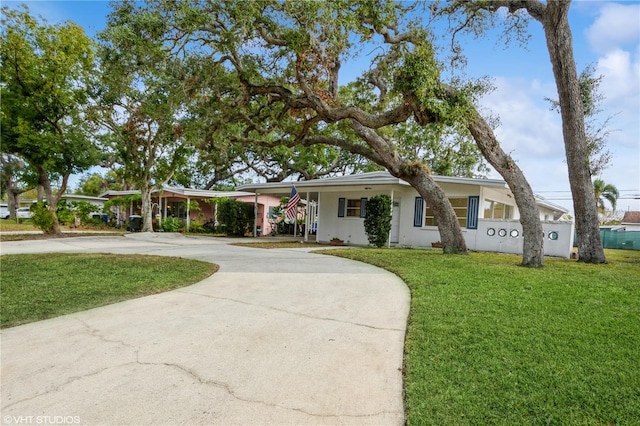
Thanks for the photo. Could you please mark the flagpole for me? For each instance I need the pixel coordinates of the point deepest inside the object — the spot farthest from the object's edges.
(292, 209)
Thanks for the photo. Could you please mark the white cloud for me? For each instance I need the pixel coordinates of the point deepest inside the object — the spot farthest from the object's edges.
(617, 24)
(528, 128)
(621, 79)
(530, 132)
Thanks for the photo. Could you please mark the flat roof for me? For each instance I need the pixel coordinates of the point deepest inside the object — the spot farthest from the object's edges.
(372, 178)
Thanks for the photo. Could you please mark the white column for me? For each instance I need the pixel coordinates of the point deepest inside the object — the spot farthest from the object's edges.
(306, 220)
(188, 213)
(390, 229)
(166, 201)
(255, 216)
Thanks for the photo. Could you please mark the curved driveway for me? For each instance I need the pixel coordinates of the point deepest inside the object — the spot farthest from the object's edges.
(275, 337)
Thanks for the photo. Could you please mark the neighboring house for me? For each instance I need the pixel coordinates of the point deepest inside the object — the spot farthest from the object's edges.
(631, 221)
(96, 201)
(177, 202)
(485, 208)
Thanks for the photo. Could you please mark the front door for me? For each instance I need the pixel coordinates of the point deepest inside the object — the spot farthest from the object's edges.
(395, 223)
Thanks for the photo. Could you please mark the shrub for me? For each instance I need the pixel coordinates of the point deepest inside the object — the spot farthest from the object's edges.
(84, 210)
(42, 217)
(64, 213)
(196, 226)
(235, 217)
(172, 224)
(377, 220)
(209, 226)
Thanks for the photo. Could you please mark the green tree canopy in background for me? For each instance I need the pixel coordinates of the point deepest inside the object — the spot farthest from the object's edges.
(140, 105)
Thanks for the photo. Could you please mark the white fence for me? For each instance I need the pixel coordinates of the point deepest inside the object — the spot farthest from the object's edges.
(505, 236)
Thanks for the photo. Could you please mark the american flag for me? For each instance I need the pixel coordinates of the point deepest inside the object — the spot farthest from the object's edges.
(294, 198)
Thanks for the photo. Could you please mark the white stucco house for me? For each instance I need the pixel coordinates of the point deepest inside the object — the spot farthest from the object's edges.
(485, 208)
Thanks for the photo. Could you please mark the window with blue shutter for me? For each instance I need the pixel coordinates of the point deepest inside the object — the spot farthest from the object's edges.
(418, 212)
(472, 212)
(363, 207)
(341, 206)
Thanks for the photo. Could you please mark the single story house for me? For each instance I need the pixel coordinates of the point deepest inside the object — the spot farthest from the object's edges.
(178, 202)
(631, 220)
(98, 202)
(485, 208)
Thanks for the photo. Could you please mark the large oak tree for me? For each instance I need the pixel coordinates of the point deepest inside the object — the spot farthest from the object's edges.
(140, 109)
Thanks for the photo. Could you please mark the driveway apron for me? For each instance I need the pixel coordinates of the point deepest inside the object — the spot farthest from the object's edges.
(277, 336)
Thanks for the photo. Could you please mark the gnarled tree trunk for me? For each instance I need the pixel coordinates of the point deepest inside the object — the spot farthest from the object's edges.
(559, 44)
(419, 177)
(147, 222)
(533, 246)
(52, 200)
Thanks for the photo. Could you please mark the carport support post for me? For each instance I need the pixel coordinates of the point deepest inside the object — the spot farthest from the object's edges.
(188, 213)
(390, 229)
(166, 201)
(306, 220)
(255, 216)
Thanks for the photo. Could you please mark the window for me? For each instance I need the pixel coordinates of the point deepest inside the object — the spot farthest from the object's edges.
(352, 207)
(272, 212)
(496, 210)
(460, 206)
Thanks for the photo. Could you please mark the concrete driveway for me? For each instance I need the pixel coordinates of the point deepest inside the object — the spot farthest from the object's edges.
(275, 337)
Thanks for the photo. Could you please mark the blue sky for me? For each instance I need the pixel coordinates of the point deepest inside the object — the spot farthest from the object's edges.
(606, 34)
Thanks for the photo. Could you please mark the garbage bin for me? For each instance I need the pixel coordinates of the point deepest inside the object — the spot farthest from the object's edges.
(135, 223)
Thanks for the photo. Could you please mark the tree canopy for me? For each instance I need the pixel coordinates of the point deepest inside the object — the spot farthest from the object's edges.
(46, 71)
(272, 79)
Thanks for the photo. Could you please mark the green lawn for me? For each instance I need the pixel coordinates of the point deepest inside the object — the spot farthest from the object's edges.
(38, 286)
(489, 342)
(13, 225)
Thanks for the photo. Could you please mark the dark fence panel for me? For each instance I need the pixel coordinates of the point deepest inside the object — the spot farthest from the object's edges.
(625, 240)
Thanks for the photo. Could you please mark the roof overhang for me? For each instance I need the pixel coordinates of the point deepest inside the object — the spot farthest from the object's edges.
(379, 180)
(540, 201)
(181, 192)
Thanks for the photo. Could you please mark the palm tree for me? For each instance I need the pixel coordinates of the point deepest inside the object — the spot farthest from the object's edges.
(603, 192)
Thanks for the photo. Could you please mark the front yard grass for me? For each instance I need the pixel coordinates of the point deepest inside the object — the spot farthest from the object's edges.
(38, 286)
(489, 342)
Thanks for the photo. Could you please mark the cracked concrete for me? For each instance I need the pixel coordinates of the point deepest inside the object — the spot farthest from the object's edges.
(275, 337)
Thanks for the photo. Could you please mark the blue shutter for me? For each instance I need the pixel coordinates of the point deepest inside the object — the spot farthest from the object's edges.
(363, 207)
(472, 212)
(418, 212)
(341, 206)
